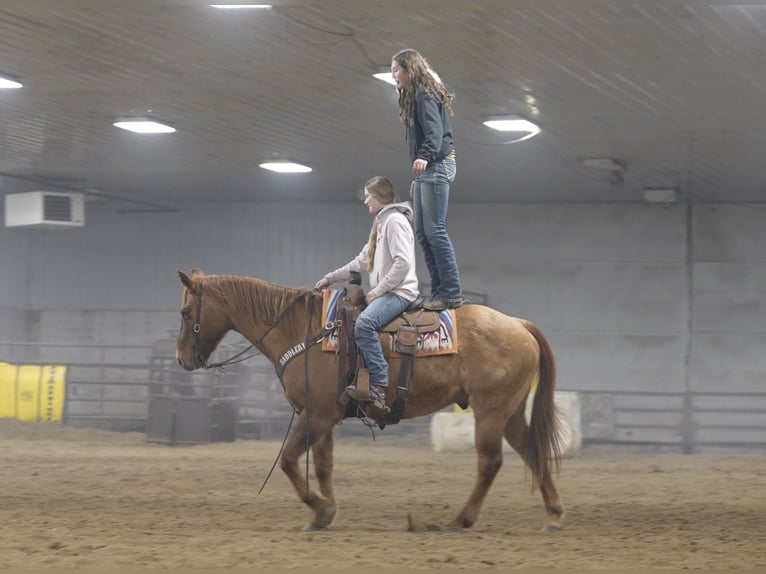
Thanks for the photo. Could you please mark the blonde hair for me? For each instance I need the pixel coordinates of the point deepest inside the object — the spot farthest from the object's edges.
(383, 190)
(418, 79)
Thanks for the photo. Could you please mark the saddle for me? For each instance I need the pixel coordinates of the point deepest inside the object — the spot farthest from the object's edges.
(407, 329)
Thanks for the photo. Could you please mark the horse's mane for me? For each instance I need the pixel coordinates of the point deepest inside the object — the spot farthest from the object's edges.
(264, 300)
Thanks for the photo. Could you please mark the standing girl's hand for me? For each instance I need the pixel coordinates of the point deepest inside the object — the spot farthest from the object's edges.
(419, 166)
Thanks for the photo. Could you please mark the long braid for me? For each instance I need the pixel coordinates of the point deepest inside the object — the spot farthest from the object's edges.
(372, 244)
(381, 189)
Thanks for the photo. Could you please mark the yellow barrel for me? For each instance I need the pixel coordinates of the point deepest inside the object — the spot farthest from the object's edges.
(34, 393)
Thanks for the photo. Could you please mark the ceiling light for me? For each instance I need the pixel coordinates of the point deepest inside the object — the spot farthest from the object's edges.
(143, 125)
(603, 164)
(285, 167)
(517, 124)
(7, 82)
(660, 194)
(240, 6)
(384, 75)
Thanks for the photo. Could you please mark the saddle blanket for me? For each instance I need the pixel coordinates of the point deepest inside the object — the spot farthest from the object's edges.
(442, 341)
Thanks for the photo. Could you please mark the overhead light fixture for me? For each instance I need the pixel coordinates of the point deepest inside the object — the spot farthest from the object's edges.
(143, 125)
(604, 164)
(660, 194)
(384, 75)
(285, 167)
(512, 123)
(9, 82)
(241, 6)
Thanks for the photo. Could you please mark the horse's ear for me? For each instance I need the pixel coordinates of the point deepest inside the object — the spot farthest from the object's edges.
(197, 273)
(186, 280)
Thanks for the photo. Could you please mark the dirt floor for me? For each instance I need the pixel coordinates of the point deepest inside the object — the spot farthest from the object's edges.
(79, 498)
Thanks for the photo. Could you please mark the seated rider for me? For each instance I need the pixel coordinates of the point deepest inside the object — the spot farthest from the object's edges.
(389, 258)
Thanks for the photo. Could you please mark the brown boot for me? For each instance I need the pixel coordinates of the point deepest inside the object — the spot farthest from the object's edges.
(376, 395)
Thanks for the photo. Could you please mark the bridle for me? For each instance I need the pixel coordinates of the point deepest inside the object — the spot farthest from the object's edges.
(197, 328)
(198, 359)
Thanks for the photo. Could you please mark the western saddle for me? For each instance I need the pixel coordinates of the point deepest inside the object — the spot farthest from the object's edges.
(407, 330)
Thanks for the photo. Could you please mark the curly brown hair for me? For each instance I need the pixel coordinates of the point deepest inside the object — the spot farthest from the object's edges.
(419, 79)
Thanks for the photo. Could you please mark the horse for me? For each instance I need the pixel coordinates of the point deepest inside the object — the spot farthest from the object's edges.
(497, 360)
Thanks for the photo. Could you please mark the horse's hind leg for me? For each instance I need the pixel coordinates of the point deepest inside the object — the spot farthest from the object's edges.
(322, 446)
(489, 442)
(516, 433)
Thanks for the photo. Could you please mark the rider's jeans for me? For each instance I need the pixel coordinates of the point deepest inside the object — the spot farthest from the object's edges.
(381, 311)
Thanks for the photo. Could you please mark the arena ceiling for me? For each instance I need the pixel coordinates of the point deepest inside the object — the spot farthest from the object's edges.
(629, 95)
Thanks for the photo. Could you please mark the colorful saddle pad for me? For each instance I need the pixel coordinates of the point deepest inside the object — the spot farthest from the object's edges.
(442, 341)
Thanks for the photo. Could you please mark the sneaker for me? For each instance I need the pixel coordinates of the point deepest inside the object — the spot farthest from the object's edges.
(434, 304)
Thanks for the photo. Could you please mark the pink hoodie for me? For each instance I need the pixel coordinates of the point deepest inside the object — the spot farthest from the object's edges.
(394, 263)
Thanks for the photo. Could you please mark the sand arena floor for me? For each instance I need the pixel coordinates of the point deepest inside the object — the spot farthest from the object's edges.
(78, 498)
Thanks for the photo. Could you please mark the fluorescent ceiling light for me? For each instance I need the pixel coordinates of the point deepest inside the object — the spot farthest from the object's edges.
(385, 77)
(143, 126)
(240, 6)
(513, 124)
(285, 167)
(660, 194)
(6, 83)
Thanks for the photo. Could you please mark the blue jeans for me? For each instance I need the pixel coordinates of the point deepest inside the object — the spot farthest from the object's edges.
(381, 311)
(429, 202)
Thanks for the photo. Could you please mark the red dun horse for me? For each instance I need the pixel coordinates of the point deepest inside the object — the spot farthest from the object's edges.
(497, 361)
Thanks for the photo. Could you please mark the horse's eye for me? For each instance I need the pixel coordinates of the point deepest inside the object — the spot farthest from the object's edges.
(185, 313)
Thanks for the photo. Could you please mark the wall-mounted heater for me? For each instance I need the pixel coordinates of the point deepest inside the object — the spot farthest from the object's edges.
(46, 209)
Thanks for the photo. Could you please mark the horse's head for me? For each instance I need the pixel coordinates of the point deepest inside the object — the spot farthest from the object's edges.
(203, 323)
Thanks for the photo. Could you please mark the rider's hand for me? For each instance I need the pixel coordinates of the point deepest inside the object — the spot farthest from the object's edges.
(419, 166)
(321, 284)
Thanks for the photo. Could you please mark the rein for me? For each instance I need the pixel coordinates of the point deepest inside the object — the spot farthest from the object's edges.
(291, 353)
(234, 358)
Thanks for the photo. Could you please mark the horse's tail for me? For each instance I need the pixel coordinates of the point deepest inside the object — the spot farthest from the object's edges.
(543, 436)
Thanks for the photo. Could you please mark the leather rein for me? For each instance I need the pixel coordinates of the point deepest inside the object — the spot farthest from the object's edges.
(284, 359)
(237, 358)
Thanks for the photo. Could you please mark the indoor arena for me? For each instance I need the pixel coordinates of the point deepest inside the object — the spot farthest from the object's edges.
(335, 284)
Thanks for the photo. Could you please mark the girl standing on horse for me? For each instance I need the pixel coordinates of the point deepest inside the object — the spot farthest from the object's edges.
(424, 109)
(389, 258)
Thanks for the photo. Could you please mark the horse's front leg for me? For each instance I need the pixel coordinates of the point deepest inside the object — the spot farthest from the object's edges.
(320, 439)
(322, 450)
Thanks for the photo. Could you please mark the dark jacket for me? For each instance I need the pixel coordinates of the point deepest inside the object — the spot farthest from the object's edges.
(429, 133)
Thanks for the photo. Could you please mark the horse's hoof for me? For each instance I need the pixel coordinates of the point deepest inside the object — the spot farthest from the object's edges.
(324, 517)
(313, 528)
(551, 528)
